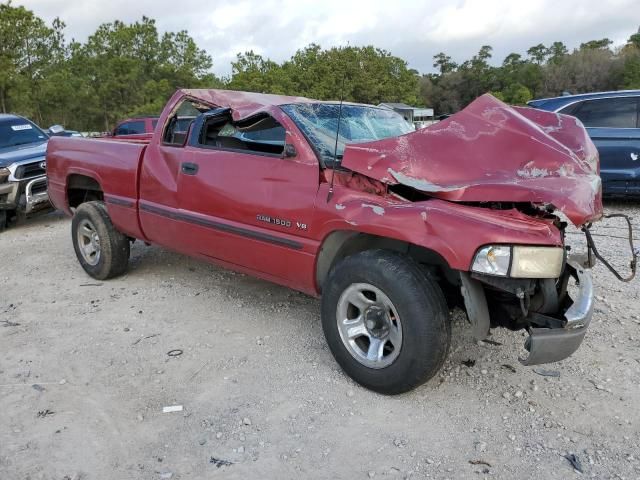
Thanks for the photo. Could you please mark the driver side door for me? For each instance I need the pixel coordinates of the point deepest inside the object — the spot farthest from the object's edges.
(245, 203)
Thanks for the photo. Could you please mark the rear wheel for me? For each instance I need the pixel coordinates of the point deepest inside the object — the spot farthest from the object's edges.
(102, 250)
(385, 321)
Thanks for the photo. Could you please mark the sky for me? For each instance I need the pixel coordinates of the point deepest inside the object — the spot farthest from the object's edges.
(412, 30)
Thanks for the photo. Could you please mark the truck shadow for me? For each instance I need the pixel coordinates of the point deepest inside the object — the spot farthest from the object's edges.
(279, 307)
(38, 220)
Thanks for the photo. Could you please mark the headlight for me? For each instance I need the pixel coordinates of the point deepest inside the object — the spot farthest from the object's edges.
(519, 261)
(494, 260)
(4, 174)
(537, 262)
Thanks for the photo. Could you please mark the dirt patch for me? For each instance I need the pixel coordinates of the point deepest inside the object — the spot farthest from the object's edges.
(261, 395)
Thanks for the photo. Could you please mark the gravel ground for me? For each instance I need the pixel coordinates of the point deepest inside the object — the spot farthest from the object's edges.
(84, 377)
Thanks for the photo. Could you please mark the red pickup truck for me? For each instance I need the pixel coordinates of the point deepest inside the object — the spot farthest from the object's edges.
(390, 227)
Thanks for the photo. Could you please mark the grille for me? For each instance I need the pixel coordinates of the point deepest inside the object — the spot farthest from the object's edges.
(39, 187)
(30, 170)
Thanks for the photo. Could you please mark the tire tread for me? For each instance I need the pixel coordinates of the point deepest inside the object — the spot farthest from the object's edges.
(115, 248)
(429, 339)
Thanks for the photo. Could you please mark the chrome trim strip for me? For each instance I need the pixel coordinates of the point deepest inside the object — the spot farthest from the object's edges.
(632, 91)
(33, 200)
(223, 227)
(14, 166)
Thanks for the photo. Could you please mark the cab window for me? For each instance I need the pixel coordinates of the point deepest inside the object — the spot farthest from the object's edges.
(261, 134)
(619, 112)
(177, 127)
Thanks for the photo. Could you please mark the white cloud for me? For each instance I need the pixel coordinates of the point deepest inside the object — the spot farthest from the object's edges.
(413, 30)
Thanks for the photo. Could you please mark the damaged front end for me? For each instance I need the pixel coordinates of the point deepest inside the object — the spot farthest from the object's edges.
(555, 319)
(492, 152)
(506, 159)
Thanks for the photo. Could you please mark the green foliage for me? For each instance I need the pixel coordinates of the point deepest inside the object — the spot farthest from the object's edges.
(538, 53)
(631, 73)
(29, 52)
(369, 74)
(603, 43)
(121, 70)
(545, 72)
(443, 63)
(515, 94)
(131, 69)
(557, 51)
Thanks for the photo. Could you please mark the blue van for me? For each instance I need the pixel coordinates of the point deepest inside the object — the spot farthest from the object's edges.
(613, 122)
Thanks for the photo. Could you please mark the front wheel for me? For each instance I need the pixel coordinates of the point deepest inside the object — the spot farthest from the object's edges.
(385, 321)
(102, 250)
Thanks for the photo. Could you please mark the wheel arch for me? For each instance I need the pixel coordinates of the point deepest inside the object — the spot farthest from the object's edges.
(82, 188)
(340, 244)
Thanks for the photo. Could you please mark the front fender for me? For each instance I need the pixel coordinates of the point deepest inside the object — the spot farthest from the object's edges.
(454, 231)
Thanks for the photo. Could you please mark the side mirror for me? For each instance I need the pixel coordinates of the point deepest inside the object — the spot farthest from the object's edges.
(56, 129)
(289, 151)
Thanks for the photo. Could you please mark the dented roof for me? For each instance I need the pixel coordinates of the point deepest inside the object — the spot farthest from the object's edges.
(243, 104)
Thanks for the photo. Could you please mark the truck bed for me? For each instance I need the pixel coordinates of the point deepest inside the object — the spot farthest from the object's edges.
(114, 165)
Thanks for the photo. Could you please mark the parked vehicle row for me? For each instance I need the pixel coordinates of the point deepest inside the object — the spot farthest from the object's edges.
(613, 122)
(23, 182)
(390, 226)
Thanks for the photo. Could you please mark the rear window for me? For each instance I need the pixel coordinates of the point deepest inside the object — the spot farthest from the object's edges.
(130, 128)
(606, 112)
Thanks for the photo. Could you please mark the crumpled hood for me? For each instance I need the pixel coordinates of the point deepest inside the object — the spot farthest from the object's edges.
(492, 152)
(22, 152)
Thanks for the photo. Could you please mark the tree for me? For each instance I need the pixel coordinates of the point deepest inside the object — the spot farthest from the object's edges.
(603, 43)
(557, 51)
(631, 73)
(126, 69)
(512, 61)
(251, 72)
(28, 50)
(515, 94)
(443, 63)
(538, 53)
(369, 75)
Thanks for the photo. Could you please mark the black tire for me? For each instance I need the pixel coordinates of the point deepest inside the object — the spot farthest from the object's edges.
(420, 305)
(4, 220)
(113, 246)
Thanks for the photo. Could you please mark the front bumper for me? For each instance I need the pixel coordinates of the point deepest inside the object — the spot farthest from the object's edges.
(553, 336)
(35, 195)
(28, 196)
(546, 345)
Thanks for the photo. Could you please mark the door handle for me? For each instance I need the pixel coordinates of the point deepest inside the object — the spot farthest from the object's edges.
(189, 168)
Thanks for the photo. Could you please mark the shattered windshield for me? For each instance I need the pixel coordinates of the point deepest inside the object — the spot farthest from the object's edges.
(358, 124)
(18, 131)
